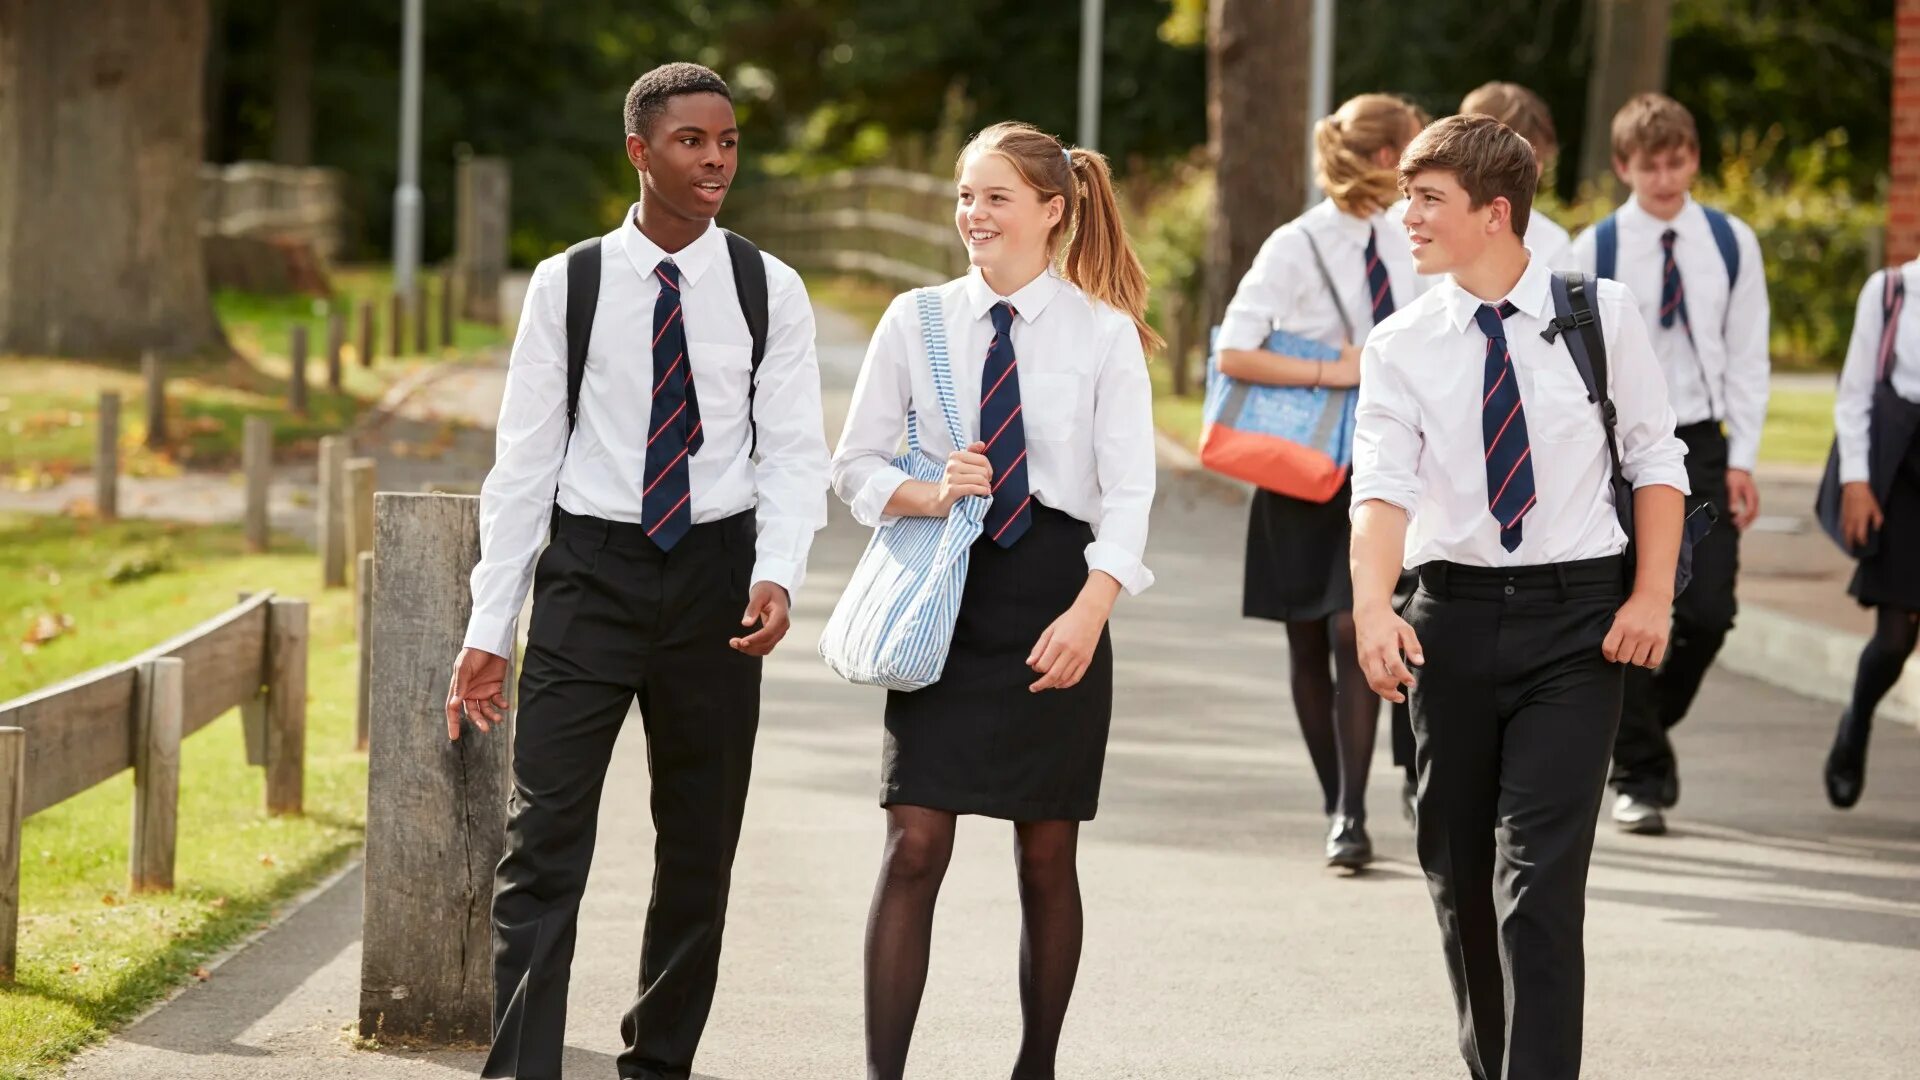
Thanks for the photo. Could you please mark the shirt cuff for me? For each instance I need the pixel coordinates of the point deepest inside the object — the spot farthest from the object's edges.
(1402, 498)
(490, 633)
(1854, 470)
(1743, 456)
(870, 506)
(785, 573)
(1127, 569)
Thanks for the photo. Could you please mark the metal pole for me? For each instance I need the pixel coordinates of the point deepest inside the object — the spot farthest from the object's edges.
(1092, 22)
(1319, 84)
(406, 195)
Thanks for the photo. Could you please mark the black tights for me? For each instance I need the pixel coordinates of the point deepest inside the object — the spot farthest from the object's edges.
(1895, 632)
(900, 934)
(1338, 711)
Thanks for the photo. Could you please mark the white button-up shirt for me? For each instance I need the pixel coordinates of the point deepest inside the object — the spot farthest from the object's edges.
(1085, 398)
(1283, 290)
(599, 472)
(1853, 405)
(1723, 373)
(1418, 445)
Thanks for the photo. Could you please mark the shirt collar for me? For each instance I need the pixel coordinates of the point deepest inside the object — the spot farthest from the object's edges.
(1341, 223)
(1532, 296)
(693, 260)
(1632, 211)
(1029, 301)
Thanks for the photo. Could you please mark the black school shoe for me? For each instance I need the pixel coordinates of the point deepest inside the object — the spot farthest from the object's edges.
(1846, 772)
(1348, 845)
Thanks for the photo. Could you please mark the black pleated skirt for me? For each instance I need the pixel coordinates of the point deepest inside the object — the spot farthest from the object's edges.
(1297, 558)
(978, 741)
(1892, 576)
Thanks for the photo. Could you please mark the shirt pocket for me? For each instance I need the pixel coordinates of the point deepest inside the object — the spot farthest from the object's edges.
(721, 374)
(1050, 404)
(1557, 408)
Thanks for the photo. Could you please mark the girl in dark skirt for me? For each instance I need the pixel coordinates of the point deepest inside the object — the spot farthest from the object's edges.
(1049, 370)
(1330, 275)
(1876, 418)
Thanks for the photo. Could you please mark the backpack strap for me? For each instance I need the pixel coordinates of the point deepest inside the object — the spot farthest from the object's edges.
(1606, 246)
(750, 284)
(1724, 240)
(1893, 299)
(583, 297)
(1575, 318)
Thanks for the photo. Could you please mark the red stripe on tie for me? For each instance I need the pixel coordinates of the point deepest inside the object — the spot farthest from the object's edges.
(662, 384)
(1003, 427)
(665, 326)
(669, 514)
(1382, 294)
(669, 281)
(1522, 513)
(1009, 472)
(662, 430)
(1516, 468)
(1373, 260)
(663, 476)
(1503, 430)
(996, 386)
(1016, 516)
(1497, 384)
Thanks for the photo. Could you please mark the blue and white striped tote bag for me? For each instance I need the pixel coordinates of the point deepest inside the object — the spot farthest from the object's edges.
(894, 624)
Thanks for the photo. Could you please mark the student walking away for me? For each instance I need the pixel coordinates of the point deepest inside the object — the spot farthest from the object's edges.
(1876, 467)
(1329, 275)
(662, 428)
(1696, 273)
(1046, 375)
(1481, 462)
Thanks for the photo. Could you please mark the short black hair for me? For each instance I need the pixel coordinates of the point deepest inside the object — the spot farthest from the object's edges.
(648, 96)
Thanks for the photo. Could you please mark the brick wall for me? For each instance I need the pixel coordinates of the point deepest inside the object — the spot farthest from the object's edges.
(1903, 204)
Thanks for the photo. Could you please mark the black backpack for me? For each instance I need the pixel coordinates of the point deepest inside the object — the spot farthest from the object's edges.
(1574, 317)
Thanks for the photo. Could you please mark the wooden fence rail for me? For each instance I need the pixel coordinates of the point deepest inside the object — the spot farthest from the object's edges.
(132, 715)
(889, 224)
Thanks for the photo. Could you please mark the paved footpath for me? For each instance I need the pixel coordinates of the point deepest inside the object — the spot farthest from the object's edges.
(1767, 937)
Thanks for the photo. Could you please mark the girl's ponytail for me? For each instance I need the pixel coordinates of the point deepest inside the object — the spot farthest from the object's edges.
(1100, 258)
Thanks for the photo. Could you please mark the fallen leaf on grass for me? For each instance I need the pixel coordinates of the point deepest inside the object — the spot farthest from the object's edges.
(45, 627)
(266, 860)
(202, 974)
(110, 900)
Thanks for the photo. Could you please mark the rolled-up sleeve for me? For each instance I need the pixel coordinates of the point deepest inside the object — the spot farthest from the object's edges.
(864, 476)
(1386, 435)
(1266, 296)
(1650, 453)
(530, 441)
(790, 475)
(1124, 461)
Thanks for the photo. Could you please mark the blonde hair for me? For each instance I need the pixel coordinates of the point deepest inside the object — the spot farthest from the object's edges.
(1344, 146)
(1653, 122)
(1520, 109)
(1100, 260)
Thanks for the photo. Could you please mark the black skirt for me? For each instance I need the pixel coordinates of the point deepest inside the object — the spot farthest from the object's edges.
(978, 741)
(1297, 558)
(1891, 577)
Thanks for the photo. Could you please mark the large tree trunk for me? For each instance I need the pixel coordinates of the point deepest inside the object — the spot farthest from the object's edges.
(100, 140)
(1258, 60)
(1630, 45)
(293, 83)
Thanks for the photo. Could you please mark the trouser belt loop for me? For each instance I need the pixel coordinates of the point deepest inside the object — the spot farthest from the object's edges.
(1560, 575)
(1440, 580)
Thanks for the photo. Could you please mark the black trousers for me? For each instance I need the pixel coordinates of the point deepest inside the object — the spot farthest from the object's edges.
(1643, 759)
(1513, 714)
(615, 618)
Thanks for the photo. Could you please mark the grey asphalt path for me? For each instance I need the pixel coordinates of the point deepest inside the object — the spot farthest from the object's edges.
(1767, 937)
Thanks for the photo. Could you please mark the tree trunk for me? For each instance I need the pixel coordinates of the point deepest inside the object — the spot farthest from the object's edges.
(1257, 72)
(293, 83)
(100, 141)
(1630, 45)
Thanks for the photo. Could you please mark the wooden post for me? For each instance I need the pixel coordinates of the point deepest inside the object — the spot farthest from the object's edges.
(297, 378)
(333, 511)
(363, 638)
(362, 477)
(157, 717)
(448, 317)
(106, 457)
(366, 333)
(256, 456)
(421, 339)
(13, 812)
(155, 380)
(336, 338)
(435, 806)
(482, 221)
(397, 333)
(286, 705)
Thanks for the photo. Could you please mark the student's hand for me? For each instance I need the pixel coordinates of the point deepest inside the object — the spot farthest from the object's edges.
(968, 473)
(479, 683)
(1640, 629)
(1066, 647)
(1743, 498)
(1381, 637)
(1859, 513)
(1344, 371)
(767, 605)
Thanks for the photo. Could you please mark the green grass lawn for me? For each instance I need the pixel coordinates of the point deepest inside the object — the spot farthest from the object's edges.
(47, 410)
(92, 956)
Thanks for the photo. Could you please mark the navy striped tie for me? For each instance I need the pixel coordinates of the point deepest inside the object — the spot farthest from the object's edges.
(1378, 287)
(673, 429)
(1005, 434)
(1503, 431)
(1673, 297)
